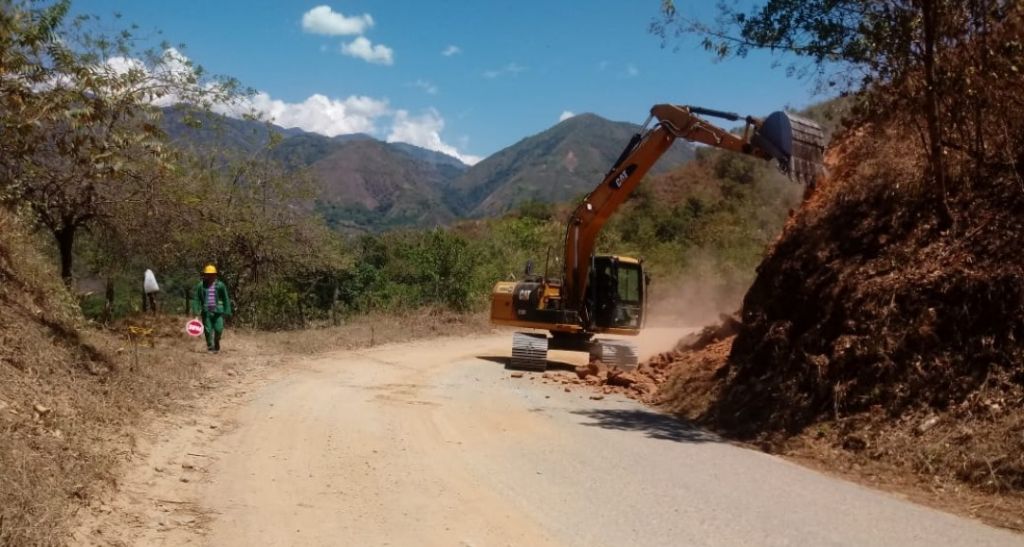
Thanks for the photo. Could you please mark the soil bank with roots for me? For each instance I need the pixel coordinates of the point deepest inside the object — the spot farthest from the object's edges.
(882, 336)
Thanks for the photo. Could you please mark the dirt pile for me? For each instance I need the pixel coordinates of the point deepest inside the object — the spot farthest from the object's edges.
(600, 380)
(885, 296)
(700, 354)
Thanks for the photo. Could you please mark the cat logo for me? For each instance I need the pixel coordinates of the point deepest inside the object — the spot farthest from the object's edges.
(621, 178)
(524, 294)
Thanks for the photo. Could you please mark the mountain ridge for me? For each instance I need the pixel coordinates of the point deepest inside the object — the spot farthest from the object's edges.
(367, 183)
(557, 164)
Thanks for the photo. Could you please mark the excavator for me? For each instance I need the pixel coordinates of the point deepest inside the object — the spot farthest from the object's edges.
(607, 294)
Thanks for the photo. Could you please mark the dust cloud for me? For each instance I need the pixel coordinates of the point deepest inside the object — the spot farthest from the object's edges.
(693, 301)
(679, 306)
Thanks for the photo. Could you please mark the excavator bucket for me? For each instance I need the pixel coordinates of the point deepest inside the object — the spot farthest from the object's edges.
(798, 144)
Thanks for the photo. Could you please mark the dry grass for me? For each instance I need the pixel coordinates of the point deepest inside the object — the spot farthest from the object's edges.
(371, 330)
(68, 396)
(72, 396)
(64, 428)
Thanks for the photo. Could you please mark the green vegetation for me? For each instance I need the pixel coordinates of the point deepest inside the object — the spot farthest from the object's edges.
(84, 160)
(714, 217)
(721, 207)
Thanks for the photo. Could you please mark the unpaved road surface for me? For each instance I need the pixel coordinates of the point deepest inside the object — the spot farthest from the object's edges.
(433, 443)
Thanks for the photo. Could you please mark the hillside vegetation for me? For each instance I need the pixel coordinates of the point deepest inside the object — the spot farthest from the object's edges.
(883, 332)
(286, 214)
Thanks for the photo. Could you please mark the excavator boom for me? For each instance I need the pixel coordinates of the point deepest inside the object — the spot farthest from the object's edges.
(795, 144)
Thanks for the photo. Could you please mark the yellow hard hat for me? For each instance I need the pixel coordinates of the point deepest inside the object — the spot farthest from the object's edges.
(210, 269)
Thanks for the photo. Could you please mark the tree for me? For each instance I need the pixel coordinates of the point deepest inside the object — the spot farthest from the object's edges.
(246, 213)
(942, 61)
(82, 109)
(101, 153)
(536, 209)
(25, 36)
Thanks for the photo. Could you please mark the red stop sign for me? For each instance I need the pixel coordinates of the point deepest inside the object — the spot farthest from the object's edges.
(194, 327)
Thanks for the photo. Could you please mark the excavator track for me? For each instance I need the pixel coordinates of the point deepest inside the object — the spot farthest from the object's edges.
(529, 352)
(615, 353)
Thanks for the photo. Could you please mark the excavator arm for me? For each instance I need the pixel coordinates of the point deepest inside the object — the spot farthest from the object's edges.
(794, 143)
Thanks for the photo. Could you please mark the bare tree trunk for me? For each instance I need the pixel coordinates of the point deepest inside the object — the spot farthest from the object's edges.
(980, 13)
(65, 244)
(937, 166)
(334, 303)
(108, 304)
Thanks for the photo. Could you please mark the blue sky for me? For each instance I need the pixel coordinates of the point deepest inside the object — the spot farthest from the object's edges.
(511, 70)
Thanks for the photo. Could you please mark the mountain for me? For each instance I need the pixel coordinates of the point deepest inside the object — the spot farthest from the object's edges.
(365, 184)
(198, 129)
(371, 184)
(556, 165)
(368, 184)
(305, 149)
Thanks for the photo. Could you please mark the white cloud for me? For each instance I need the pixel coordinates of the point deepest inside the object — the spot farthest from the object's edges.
(512, 69)
(123, 65)
(566, 114)
(354, 114)
(171, 64)
(631, 71)
(317, 114)
(172, 73)
(324, 20)
(425, 131)
(426, 86)
(362, 48)
(451, 50)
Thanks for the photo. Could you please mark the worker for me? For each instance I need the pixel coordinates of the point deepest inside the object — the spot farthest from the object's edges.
(210, 301)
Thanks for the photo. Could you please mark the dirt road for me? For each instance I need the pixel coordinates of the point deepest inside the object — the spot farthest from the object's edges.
(433, 443)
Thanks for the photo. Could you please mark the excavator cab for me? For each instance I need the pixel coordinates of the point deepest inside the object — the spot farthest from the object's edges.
(617, 292)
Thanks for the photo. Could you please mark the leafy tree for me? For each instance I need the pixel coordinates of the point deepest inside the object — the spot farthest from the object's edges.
(247, 214)
(81, 106)
(79, 137)
(952, 63)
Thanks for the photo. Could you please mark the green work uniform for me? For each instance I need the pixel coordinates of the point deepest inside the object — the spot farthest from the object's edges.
(213, 319)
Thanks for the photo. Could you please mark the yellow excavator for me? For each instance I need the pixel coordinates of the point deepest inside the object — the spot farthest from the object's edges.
(606, 294)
